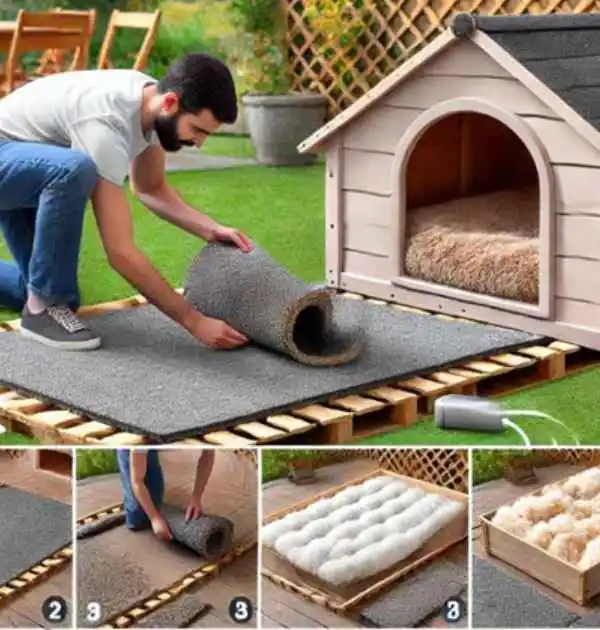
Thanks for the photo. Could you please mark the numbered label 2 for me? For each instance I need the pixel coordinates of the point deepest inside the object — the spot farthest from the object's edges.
(55, 609)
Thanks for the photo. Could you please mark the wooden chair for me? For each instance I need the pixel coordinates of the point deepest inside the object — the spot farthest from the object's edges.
(53, 60)
(134, 20)
(72, 31)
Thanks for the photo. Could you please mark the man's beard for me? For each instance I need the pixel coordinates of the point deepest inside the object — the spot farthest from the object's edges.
(166, 130)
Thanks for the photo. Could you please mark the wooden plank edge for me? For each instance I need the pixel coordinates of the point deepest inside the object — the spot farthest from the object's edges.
(168, 594)
(31, 577)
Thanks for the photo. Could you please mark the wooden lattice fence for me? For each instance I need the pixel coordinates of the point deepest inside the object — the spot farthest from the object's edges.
(343, 56)
(444, 467)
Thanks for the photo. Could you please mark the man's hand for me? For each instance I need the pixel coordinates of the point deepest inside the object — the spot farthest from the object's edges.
(220, 233)
(194, 509)
(215, 333)
(161, 529)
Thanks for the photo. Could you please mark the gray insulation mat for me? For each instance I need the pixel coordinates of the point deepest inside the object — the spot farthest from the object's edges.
(31, 529)
(211, 537)
(260, 298)
(589, 621)
(417, 597)
(151, 377)
(119, 569)
(501, 600)
(179, 613)
(94, 528)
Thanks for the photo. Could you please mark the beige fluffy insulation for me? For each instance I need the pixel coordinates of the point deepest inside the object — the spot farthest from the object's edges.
(564, 519)
(487, 244)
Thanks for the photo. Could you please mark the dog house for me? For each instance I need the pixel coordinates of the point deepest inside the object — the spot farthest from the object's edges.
(468, 180)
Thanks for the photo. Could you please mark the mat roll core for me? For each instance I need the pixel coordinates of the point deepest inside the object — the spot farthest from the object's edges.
(209, 536)
(270, 306)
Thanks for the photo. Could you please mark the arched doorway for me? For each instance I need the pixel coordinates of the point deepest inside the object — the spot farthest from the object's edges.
(474, 199)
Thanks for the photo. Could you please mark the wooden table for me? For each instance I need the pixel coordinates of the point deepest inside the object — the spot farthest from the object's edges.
(37, 39)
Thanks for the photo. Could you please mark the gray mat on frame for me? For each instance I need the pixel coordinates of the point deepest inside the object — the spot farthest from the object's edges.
(181, 612)
(151, 377)
(31, 528)
(501, 600)
(420, 595)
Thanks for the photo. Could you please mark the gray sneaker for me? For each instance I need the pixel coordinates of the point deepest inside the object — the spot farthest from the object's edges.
(58, 327)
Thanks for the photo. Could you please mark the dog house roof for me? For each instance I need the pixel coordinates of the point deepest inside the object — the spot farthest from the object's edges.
(556, 55)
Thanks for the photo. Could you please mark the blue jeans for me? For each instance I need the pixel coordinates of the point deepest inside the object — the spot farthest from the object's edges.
(44, 191)
(135, 517)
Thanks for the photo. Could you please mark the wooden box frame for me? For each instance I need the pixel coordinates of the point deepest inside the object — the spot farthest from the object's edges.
(578, 585)
(340, 599)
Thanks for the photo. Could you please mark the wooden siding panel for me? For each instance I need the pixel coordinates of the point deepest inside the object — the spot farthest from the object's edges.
(366, 265)
(578, 279)
(425, 90)
(578, 236)
(578, 189)
(367, 172)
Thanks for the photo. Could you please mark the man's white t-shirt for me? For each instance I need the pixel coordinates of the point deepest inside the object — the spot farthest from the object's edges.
(97, 112)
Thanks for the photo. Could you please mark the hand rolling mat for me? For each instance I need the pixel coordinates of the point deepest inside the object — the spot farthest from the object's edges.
(31, 529)
(501, 600)
(273, 308)
(179, 613)
(417, 597)
(211, 537)
(151, 377)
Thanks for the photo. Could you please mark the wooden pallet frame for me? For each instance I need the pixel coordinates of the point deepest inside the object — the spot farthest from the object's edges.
(34, 575)
(342, 420)
(578, 585)
(348, 605)
(160, 597)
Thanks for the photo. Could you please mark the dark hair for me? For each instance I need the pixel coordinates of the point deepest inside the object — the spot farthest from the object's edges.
(202, 82)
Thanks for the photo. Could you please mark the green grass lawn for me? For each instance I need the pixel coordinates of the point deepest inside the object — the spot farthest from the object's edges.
(93, 462)
(282, 210)
(229, 146)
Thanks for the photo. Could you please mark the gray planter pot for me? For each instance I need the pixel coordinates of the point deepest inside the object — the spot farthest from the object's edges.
(278, 124)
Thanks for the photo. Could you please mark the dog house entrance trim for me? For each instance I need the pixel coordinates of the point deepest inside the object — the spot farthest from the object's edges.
(543, 308)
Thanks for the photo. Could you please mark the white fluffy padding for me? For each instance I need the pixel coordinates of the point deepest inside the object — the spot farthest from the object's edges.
(360, 531)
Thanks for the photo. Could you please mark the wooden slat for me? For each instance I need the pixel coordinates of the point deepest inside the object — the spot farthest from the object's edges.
(24, 405)
(289, 423)
(124, 439)
(513, 360)
(358, 404)
(538, 352)
(91, 429)
(322, 415)
(423, 386)
(226, 438)
(260, 431)
(56, 418)
(563, 346)
(391, 394)
(486, 367)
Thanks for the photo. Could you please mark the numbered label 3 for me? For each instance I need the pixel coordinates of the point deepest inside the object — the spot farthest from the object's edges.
(241, 609)
(455, 610)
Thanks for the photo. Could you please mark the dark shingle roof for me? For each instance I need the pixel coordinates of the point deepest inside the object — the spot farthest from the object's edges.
(562, 50)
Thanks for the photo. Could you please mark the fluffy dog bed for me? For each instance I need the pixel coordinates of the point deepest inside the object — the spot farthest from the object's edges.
(487, 244)
(361, 531)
